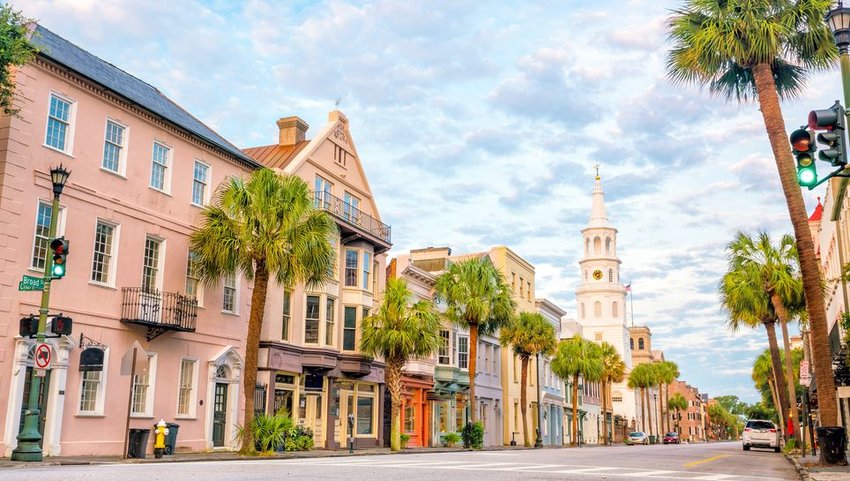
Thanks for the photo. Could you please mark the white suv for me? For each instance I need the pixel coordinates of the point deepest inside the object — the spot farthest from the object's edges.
(761, 434)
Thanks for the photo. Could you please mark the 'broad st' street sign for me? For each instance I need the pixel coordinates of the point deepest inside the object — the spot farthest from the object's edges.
(30, 283)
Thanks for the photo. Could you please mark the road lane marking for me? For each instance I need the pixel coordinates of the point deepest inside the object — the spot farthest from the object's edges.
(717, 477)
(648, 474)
(583, 470)
(703, 461)
(529, 467)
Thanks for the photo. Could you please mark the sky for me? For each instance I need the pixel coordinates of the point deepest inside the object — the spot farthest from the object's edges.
(478, 124)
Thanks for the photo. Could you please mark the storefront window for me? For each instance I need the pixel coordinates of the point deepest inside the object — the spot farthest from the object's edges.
(365, 408)
(443, 420)
(460, 411)
(408, 419)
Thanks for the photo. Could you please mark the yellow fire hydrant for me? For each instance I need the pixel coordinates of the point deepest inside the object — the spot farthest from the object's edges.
(159, 445)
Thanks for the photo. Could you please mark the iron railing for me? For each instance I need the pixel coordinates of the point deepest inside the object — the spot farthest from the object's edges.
(166, 310)
(352, 215)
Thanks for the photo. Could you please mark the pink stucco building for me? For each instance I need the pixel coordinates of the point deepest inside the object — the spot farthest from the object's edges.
(142, 167)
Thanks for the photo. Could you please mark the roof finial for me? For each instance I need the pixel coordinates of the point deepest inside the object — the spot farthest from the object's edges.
(597, 171)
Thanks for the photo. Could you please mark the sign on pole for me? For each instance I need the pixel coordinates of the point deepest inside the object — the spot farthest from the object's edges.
(42, 356)
(805, 376)
(30, 283)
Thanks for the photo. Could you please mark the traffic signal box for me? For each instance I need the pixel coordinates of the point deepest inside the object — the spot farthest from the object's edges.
(803, 147)
(59, 247)
(833, 141)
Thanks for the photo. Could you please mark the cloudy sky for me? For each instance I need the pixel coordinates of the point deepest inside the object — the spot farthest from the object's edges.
(478, 124)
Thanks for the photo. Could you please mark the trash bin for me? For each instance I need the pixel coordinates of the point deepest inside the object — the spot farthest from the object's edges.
(171, 438)
(653, 439)
(138, 444)
(833, 444)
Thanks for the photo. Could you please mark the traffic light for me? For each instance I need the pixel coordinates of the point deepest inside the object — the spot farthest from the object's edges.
(803, 147)
(59, 247)
(833, 121)
(29, 326)
(61, 325)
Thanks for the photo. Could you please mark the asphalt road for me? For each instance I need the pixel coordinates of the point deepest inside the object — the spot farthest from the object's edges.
(709, 462)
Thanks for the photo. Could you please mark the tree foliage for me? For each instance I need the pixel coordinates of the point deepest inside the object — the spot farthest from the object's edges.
(16, 49)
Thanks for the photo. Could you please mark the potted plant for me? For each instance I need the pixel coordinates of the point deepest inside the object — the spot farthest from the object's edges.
(450, 439)
(404, 439)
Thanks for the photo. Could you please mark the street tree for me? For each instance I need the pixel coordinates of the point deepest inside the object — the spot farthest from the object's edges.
(678, 403)
(16, 49)
(478, 299)
(529, 334)
(265, 228)
(399, 330)
(643, 378)
(764, 50)
(667, 372)
(576, 358)
(613, 371)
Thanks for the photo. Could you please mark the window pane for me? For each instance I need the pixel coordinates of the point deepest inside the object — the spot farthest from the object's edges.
(193, 281)
(462, 352)
(42, 229)
(443, 353)
(112, 145)
(199, 183)
(351, 268)
(150, 270)
(349, 334)
(57, 122)
(184, 399)
(102, 252)
(159, 166)
(88, 391)
(311, 321)
(364, 415)
(287, 315)
(367, 264)
(330, 317)
(229, 300)
(140, 393)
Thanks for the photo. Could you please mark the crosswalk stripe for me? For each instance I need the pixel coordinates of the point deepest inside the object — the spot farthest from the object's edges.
(717, 477)
(531, 467)
(649, 474)
(583, 470)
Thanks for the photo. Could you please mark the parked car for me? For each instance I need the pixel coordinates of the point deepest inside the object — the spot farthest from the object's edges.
(759, 433)
(637, 437)
(671, 438)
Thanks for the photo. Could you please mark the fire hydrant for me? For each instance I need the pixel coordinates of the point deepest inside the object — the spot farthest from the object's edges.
(159, 445)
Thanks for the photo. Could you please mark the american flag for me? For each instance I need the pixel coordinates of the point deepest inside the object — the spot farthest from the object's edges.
(629, 287)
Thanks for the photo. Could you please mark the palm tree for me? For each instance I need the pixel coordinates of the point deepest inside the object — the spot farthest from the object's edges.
(577, 357)
(613, 371)
(478, 299)
(530, 334)
(747, 293)
(764, 378)
(777, 268)
(397, 332)
(677, 403)
(668, 371)
(764, 49)
(642, 378)
(263, 227)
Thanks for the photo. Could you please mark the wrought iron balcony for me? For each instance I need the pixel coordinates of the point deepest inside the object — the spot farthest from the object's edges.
(159, 311)
(355, 221)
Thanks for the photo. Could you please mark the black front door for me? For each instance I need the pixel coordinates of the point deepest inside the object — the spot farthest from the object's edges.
(219, 414)
(42, 401)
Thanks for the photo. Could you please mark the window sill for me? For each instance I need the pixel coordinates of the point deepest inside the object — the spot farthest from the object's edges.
(89, 415)
(186, 417)
(141, 416)
(163, 192)
(101, 285)
(57, 150)
(199, 206)
(230, 313)
(120, 175)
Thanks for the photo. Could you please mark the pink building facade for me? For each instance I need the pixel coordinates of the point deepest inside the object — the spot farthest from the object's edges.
(141, 169)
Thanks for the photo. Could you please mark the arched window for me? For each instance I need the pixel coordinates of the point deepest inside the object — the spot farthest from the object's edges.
(607, 245)
(597, 245)
(632, 343)
(582, 311)
(610, 275)
(615, 310)
(597, 310)
(640, 343)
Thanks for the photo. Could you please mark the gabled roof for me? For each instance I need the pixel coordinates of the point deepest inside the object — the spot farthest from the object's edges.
(276, 156)
(63, 52)
(818, 213)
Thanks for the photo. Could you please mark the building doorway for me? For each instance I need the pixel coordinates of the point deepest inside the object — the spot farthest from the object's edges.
(43, 389)
(219, 414)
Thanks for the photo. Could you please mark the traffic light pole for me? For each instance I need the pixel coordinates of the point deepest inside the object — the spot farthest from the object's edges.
(29, 447)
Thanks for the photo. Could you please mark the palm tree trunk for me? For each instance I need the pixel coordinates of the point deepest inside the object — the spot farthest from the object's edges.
(252, 349)
(782, 314)
(658, 423)
(644, 412)
(472, 363)
(523, 400)
(574, 434)
(771, 385)
(604, 412)
(774, 124)
(778, 372)
(392, 375)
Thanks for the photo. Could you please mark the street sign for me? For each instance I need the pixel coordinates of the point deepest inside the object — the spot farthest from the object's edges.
(42, 356)
(805, 377)
(30, 283)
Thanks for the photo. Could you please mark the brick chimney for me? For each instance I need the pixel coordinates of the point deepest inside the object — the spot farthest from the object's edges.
(292, 130)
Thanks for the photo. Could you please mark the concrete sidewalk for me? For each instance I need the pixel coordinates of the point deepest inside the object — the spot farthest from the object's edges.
(809, 470)
(233, 456)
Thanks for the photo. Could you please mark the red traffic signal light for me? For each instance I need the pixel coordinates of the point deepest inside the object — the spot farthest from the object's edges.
(61, 325)
(826, 119)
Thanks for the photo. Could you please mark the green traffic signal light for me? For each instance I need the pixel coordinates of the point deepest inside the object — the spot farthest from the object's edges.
(803, 147)
(59, 247)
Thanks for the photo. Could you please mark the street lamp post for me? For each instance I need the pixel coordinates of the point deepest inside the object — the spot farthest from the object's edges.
(29, 447)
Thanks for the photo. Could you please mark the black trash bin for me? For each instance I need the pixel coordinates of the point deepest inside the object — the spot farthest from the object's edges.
(833, 444)
(138, 444)
(171, 438)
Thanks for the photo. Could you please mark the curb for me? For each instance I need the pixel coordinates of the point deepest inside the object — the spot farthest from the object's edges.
(801, 470)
